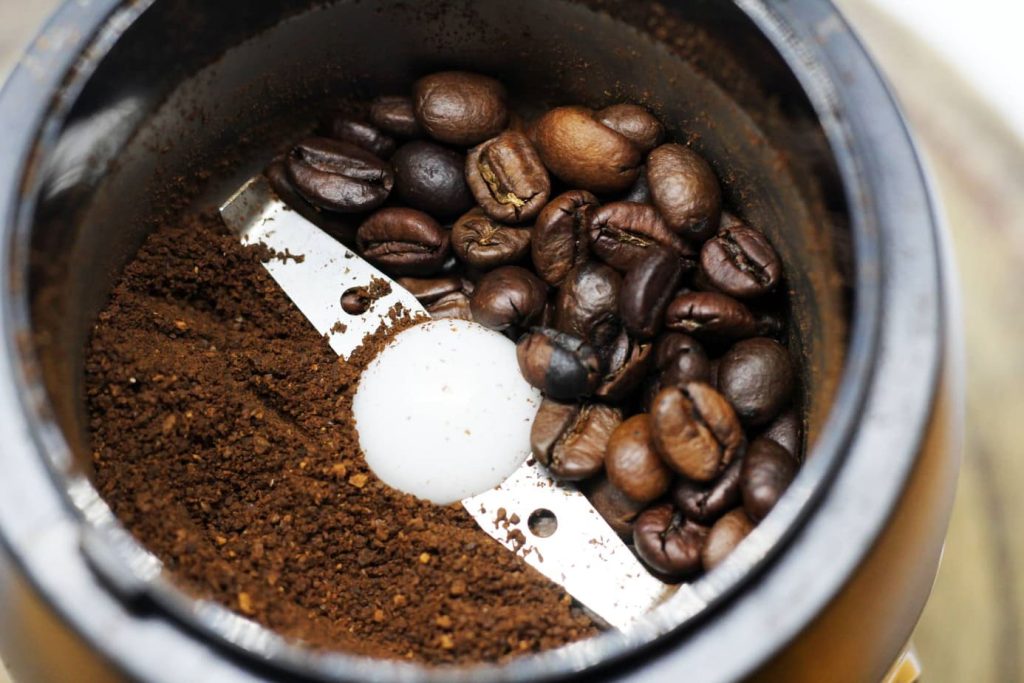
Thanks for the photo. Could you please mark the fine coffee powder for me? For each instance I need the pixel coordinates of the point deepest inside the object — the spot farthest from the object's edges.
(222, 438)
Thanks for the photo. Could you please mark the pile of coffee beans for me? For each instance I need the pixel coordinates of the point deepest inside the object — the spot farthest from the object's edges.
(651, 318)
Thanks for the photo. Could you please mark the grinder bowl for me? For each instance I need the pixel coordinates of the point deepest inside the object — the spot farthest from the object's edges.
(167, 103)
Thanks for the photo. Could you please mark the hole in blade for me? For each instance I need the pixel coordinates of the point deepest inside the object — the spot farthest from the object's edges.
(542, 523)
(356, 300)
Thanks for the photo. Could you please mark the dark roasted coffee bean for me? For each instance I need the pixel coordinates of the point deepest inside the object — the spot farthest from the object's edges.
(338, 176)
(460, 108)
(768, 470)
(725, 535)
(756, 375)
(672, 344)
(710, 316)
(561, 365)
(560, 235)
(454, 305)
(394, 114)
(695, 430)
(669, 543)
(362, 134)
(618, 509)
(429, 290)
(681, 359)
(507, 178)
(585, 153)
(483, 243)
(634, 123)
(648, 287)
(509, 297)
(403, 242)
(740, 261)
(626, 364)
(640, 193)
(431, 178)
(621, 232)
(570, 439)
(705, 502)
(587, 304)
(339, 226)
(685, 190)
(632, 464)
(787, 431)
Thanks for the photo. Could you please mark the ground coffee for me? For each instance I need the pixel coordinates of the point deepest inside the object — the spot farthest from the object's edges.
(222, 438)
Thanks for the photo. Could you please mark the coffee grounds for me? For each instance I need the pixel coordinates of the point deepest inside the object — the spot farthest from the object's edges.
(223, 439)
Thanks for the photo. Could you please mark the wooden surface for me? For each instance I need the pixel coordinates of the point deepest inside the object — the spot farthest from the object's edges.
(971, 630)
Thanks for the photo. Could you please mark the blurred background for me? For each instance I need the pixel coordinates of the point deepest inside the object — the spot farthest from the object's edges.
(956, 68)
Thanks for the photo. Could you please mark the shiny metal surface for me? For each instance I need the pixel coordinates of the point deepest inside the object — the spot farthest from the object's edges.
(313, 268)
(583, 555)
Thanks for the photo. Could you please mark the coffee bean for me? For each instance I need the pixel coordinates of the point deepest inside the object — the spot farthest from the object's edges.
(508, 297)
(640, 192)
(560, 235)
(507, 178)
(394, 114)
(429, 290)
(460, 108)
(756, 375)
(587, 304)
(648, 287)
(725, 535)
(571, 439)
(685, 190)
(710, 316)
(632, 464)
(681, 359)
(621, 232)
(626, 364)
(361, 134)
(740, 261)
(403, 242)
(559, 364)
(705, 502)
(338, 176)
(669, 543)
(618, 509)
(584, 153)
(634, 123)
(787, 431)
(455, 305)
(431, 178)
(483, 243)
(767, 472)
(695, 430)
(339, 226)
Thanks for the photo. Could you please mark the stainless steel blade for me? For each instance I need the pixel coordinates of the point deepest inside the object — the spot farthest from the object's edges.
(313, 268)
(583, 554)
